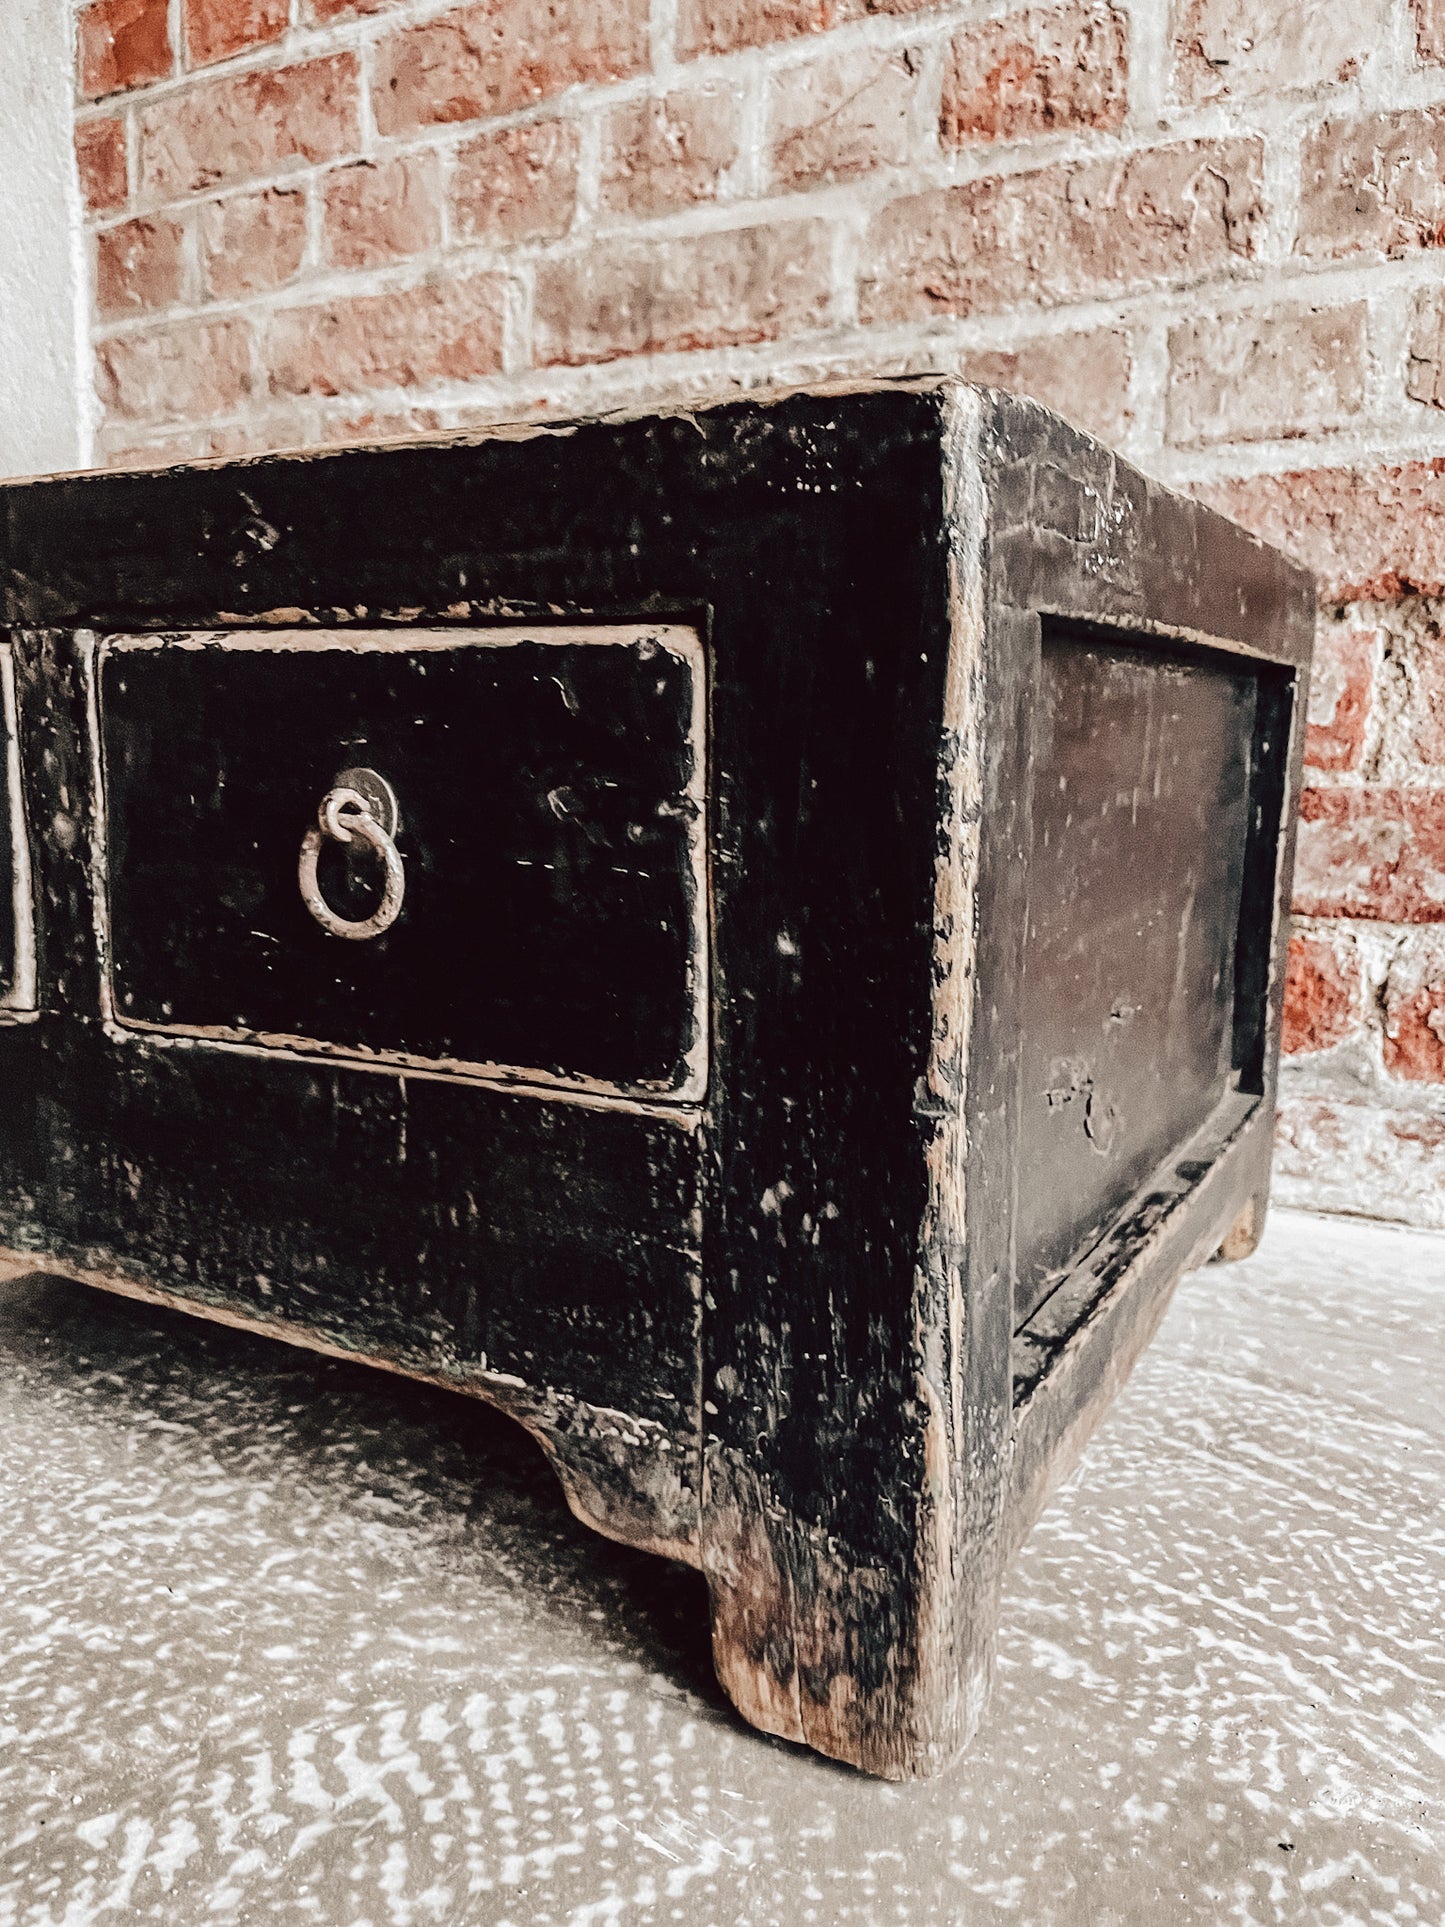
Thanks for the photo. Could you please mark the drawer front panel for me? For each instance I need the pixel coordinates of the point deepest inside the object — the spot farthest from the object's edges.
(447, 1226)
(549, 843)
(17, 939)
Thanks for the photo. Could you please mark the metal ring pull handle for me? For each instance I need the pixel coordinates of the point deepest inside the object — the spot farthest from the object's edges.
(344, 815)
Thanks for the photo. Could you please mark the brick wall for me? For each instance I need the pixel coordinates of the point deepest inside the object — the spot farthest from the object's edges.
(1207, 231)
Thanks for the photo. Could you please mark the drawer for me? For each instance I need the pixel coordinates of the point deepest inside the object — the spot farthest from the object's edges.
(17, 930)
(547, 853)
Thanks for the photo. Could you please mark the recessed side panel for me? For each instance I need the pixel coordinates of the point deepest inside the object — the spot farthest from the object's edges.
(525, 899)
(1141, 810)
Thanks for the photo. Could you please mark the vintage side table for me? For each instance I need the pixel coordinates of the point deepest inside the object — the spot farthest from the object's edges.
(750, 938)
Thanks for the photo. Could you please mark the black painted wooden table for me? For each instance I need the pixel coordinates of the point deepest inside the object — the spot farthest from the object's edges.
(750, 939)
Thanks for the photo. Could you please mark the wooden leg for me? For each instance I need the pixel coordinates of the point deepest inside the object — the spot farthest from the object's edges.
(1243, 1236)
(887, 1671)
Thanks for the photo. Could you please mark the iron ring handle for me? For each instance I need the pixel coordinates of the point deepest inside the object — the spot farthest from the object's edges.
(345, 814)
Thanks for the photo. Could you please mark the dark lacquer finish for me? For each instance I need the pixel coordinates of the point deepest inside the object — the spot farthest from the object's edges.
(821, 989)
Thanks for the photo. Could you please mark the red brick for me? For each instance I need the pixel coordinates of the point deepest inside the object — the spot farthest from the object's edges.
(378, 211)
(450, 331)
(216, 29)
(100, 161)
(261, 432)
(1341, 685)
(1266, 377)
(1425, 361)
(189, 370)
(1085, 377)
(722, 26)
(1337, 1155)
(139, 266)
(1373, 184)
(843, 115)
(1430, 30)
(519, 184)
(1065, 232)
(232, 129)
(869, 9)
(1322, 992)
(668, 152)
(1038, 72)
(324, 11)
(1416, 729)
(503, 54)
(1370, 534)
(1237, 49)
(700, 291)
(123, 43)
(1414, 1009)
(1376, 853)
(252, 242)
(118, 444)
(382, 425)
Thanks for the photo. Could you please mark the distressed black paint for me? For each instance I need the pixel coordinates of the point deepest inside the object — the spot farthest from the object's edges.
(767, 1321)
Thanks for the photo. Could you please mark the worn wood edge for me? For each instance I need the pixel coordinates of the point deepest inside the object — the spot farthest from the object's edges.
(967, 1441)
(919, 1726)
(1243, 1236)
(780, 1594)
(1077, 593)
(754, 1609)
(576, 1438)
(520, 428)
(1111, 620)
(683, 1110)
(1078, 1292)
(673, 405)
(1060, 1414)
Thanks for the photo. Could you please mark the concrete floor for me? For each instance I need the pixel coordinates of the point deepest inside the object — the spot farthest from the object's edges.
(285, 1641)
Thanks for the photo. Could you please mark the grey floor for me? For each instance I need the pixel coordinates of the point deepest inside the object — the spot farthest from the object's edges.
(285, 1641)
